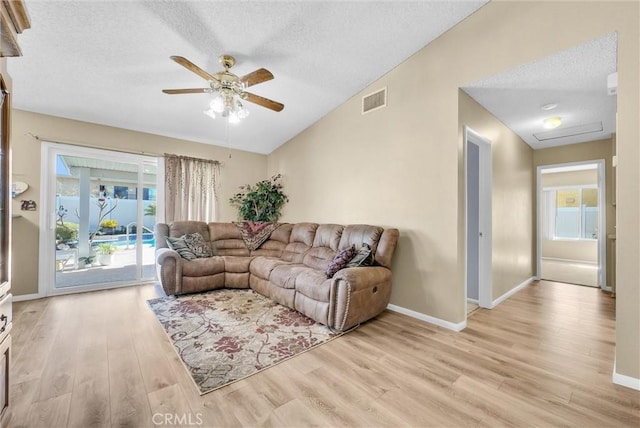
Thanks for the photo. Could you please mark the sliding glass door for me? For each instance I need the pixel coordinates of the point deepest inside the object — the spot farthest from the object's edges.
(100, 209)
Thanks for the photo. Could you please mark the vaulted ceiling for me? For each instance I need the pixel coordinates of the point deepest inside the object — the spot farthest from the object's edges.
(106, 62)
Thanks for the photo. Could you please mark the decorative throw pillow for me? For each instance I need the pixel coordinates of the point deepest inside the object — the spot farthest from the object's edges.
(340, 261)
(364, 257)
(254, 233)
(198, 245)
(179, 245)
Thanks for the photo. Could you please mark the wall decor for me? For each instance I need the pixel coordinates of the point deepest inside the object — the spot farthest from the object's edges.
(28, 205)
(18, 187)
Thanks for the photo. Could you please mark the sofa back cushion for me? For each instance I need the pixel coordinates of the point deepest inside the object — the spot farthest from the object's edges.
(325, 246)
(300, 241)
(277, 242)
(177, 229)
(226, 240)
(358, 234)
(386, 247)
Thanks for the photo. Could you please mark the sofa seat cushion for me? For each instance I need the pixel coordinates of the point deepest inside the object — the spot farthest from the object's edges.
(262, 266)
(237, 264)
(313, 284)
(285, 275)
(203, 267)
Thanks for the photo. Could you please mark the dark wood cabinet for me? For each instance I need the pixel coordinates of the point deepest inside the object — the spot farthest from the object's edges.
(5, 234)
(13, 20)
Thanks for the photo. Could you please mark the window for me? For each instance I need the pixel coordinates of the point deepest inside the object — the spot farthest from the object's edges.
(122, 192)
(571, 213)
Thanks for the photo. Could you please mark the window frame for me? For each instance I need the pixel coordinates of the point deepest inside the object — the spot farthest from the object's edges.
(549, 215)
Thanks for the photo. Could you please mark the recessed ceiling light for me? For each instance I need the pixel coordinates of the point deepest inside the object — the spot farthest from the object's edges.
(549, 106)
(552, 122)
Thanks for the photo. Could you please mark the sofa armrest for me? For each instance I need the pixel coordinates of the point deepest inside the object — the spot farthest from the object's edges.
(358, 294)
(359, 278)
(169, 268)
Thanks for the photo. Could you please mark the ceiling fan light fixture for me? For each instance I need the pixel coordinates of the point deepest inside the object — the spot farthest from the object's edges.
(217, 104)
(552, 122)
(227, 89)
(210, 113)
(241, 111)
(233, 117)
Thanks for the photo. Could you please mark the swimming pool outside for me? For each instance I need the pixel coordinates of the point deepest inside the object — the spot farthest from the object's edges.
(125, 241)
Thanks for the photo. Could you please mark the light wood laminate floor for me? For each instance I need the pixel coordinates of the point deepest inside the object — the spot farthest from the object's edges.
(542, 358)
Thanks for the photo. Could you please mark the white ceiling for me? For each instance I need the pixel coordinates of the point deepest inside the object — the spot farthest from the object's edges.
(575, 79)
(106, 62)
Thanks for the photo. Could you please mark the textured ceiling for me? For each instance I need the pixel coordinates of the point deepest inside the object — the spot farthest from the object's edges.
(575, 79)
(106, 62)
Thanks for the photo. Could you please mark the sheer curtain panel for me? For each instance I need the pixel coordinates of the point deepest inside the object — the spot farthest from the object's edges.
(190, 188)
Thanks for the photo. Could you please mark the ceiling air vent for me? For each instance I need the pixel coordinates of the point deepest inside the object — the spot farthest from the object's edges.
(569, 132)
(374, 101)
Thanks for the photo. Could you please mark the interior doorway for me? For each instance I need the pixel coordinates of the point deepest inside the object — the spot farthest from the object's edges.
(98, 214)
(571, 238)
(478, 200)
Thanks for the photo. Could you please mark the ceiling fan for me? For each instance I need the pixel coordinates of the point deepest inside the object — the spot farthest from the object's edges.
(228, 89)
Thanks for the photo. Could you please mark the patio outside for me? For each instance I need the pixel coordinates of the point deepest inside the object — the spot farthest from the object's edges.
(98, 207)
(70, 271)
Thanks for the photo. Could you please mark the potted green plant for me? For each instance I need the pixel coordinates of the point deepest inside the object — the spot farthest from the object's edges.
(260, 202)
(85, 262)
(105, 252)
(109, 225)
(66, 232)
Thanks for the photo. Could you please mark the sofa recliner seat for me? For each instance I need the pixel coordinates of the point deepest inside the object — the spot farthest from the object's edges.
(289, 267)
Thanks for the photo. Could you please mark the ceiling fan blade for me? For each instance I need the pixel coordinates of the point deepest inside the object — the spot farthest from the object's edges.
(262, 101)
(255, 77)
(194, 68)
(187, 91)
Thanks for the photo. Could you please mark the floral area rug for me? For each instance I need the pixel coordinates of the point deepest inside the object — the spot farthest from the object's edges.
(226, 335)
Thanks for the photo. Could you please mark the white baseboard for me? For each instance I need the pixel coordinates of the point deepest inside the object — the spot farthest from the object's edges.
(511, 292)
(623, 380)
(22, 297)
(432, 320)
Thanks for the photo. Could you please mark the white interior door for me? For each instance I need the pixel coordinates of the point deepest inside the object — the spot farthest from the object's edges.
(478, 197)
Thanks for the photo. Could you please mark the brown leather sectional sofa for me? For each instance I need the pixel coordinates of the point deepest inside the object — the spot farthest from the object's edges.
(289, 267)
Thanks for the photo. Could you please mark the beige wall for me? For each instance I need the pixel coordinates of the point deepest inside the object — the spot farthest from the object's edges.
(571, 178)
(594, 150)
(401, 166)
(241, 168)
(580, 251)
(512, 193)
